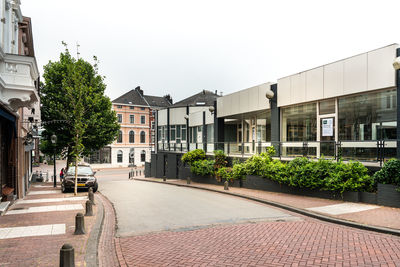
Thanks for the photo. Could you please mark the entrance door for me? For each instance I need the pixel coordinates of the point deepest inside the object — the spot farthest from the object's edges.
(327, 137)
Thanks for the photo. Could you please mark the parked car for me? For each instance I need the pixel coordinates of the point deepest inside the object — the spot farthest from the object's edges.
(86, 178)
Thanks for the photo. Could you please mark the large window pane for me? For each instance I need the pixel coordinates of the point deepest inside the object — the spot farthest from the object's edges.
(264, 127)
(369, 116)
(299, 123)
(326, 107)
(210, 133)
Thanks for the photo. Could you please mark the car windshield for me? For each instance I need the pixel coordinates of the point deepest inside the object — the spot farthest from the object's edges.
(82, 170)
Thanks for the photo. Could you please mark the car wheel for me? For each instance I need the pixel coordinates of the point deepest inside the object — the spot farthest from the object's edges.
(95, 187)
(63, 189)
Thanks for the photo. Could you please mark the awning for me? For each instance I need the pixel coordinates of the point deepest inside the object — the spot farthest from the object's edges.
(11, 119)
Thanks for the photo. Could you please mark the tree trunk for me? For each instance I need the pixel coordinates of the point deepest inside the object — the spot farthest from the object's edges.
(76, 177)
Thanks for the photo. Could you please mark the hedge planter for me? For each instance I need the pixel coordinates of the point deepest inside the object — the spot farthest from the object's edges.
(388, 196)
(184, 172)
(260, 183)
(370, 198)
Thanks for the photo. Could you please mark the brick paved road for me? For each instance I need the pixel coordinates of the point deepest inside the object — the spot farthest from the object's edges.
(301, 243)
(306, 242)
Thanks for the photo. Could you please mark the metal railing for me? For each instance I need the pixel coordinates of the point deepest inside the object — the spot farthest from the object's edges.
(372, 151)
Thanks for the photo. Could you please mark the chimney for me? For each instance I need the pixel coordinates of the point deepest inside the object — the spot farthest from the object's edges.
(216, 92)
(140, 91)
(169, 98)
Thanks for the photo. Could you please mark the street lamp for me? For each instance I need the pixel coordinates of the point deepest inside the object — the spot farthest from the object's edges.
(54, 141)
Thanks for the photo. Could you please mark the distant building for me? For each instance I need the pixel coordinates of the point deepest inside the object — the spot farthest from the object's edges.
(135, 141)
(20, 104)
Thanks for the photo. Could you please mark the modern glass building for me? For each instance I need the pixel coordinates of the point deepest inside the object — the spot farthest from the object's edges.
(346, 109)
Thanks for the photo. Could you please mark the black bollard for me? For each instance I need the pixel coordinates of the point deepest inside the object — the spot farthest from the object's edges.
(79, 224)
(89, 208)
(91, 195)
(67, 256)
(226, 185)
(188, 181)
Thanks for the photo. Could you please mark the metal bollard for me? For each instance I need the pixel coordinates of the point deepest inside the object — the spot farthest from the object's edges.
(79, 224)
(226, 185)
(89, 208)
(91, 195)
(67, 256)
(188, 181)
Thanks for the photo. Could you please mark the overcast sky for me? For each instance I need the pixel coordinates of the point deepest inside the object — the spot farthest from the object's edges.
(180, 47)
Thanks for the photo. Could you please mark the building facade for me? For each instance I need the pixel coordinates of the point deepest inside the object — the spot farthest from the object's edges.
(135, 142)
(20, 103)
(347, 109)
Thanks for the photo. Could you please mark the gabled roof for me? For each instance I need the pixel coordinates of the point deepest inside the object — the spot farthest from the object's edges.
(204, 98)
(136, 97)
(157, 101)
(132, 97)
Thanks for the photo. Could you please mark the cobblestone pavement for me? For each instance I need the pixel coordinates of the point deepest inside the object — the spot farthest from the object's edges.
(302, 243)
(307, 242)
(44, 250)
(106, 249)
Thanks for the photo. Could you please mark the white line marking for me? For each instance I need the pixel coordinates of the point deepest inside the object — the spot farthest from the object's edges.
(36, 230)
(343, 208)
(44, 192)
(46, 209)
(44, 200)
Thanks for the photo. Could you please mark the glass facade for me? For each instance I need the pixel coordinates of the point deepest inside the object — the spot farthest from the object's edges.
(264, 127)
(100, 156)
(299, 123)
(210, 133)
(369, 116)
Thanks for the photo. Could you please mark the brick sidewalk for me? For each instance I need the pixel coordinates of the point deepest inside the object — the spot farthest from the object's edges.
(44, 250)
(380, 216)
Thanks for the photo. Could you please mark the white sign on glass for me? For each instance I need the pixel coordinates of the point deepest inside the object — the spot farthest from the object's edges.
(327, 127)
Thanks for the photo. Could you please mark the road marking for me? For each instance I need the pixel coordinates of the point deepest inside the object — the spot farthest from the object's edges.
(44, 192)
(46, 209)
(44, 200)
(37, 230)
(343, 208)
(44, 186)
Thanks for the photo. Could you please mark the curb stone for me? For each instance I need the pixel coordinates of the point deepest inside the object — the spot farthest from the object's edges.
(91, 257)
(116, 246)
(293, 209)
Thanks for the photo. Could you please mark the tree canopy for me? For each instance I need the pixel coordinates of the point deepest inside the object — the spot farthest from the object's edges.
(73, 103)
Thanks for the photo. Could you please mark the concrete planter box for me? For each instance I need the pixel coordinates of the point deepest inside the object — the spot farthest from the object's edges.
(388, 196)
(370, 198)
(147, 169)
(260, 183)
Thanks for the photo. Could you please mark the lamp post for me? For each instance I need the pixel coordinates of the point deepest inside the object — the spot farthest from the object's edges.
(54, 141)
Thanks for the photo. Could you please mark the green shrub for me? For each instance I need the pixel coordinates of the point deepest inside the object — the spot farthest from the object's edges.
(220, 159)
(389, 174)
(239, 171)
(225, 173)
(202, 167)
(255, 163)
(194, 155)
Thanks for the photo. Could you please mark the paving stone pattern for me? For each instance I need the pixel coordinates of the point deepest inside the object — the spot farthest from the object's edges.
(301, 243)
(43, 250)
(106, 248)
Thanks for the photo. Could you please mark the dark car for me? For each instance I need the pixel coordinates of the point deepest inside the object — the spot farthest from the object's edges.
(86, 178)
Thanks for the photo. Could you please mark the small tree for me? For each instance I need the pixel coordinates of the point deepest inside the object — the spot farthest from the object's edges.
(73, 99)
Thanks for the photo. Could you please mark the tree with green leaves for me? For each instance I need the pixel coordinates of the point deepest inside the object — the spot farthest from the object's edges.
(75, 109)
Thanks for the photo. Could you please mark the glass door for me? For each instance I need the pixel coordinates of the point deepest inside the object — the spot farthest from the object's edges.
(327, 137)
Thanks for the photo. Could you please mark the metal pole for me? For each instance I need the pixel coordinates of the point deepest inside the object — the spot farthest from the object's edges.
(55, 172)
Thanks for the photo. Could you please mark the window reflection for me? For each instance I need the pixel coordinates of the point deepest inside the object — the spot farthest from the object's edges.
(299, 123)
(368, 117)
